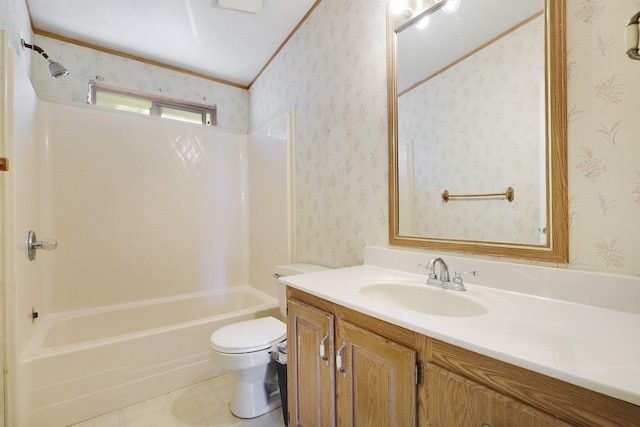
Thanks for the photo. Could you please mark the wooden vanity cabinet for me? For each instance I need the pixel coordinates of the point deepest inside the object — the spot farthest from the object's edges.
(343, 372)
(382, 364)
(311, 375)
(376, 384)
(455, 401)
(511, 396)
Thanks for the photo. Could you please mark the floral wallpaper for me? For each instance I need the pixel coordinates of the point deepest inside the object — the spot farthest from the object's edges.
(604, 135)
(478, 128)
(86, 64)
(333, 71)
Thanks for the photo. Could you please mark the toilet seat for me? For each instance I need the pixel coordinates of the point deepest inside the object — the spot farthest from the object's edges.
(249, 336)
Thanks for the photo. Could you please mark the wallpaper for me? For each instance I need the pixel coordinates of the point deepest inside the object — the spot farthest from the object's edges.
(478, 128)
(604, 138)
(333, 70)
(87, 64)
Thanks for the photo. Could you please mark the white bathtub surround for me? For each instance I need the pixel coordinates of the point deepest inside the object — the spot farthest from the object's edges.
(141, 208)
(146, 213)
(271, 194)
(90, 362)
(560, 323)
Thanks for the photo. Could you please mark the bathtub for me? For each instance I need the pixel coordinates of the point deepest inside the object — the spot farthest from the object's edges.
(85, 363)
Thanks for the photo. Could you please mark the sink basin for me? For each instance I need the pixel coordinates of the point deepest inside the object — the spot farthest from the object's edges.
(423, 299)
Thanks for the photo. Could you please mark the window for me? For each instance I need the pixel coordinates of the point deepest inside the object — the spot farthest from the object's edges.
(150, 105)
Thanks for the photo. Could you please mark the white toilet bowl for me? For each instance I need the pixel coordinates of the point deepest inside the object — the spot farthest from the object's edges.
(243, 349)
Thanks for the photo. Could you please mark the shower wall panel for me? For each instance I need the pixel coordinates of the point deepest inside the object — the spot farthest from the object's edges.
(270, 196)
(141, 208)
(22, 212)
(23, 207)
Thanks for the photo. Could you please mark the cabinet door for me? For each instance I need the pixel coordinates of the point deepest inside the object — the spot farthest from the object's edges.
(310, 334)
(376, 380)
(454, 401)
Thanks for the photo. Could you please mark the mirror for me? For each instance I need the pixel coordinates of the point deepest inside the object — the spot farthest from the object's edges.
(477, 127)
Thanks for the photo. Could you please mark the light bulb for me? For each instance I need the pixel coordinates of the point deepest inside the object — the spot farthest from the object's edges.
(398, 6)
(451, 6)
(423, 23)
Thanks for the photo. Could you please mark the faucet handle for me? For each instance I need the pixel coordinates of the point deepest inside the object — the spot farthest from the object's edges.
(432, 275)
(458, 280)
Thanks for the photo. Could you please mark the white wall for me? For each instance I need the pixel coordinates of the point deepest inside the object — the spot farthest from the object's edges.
(141, 207)
(14, 20)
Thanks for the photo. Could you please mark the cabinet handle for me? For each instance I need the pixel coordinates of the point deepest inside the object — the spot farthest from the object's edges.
(322, 349)
(339, 360)
(485, 425)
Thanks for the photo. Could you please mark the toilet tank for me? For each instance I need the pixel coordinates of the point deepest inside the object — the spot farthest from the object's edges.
(290, 270)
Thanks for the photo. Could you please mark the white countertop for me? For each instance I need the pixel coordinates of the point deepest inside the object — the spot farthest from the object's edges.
(592, 347)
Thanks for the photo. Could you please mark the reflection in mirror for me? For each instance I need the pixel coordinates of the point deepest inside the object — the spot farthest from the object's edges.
(471, 116)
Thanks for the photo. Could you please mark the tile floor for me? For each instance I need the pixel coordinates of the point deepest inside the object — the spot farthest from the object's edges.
(205, 404)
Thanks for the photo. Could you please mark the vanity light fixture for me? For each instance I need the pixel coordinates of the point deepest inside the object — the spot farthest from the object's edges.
(418, 17)
(403, 7)
(631, 37)
(55, 68)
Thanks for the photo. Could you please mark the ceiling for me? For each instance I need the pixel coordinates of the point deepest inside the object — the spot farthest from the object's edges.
(195, 35)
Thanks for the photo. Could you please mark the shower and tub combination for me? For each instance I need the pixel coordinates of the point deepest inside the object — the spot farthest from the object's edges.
(81, 364)
(154, 251)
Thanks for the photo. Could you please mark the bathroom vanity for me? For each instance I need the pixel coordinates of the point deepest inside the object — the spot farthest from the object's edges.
(356, 358)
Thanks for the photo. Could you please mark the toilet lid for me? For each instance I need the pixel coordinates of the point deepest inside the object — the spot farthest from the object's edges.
(248, 336)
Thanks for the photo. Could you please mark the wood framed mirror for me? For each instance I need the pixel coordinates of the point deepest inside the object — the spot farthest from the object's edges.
(477, 128)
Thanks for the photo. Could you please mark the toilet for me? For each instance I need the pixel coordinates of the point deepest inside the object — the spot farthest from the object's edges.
(244, 350)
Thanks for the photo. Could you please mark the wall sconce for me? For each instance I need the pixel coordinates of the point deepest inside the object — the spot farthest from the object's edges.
(631, 37)
(55, 68)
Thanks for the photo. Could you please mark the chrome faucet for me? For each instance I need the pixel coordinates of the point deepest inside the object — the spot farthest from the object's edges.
(444, 280)
(444, 270)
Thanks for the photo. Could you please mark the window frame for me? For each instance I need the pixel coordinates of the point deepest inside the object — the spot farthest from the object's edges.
(157, 103)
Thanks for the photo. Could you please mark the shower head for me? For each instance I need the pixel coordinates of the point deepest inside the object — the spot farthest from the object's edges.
(55, 68)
